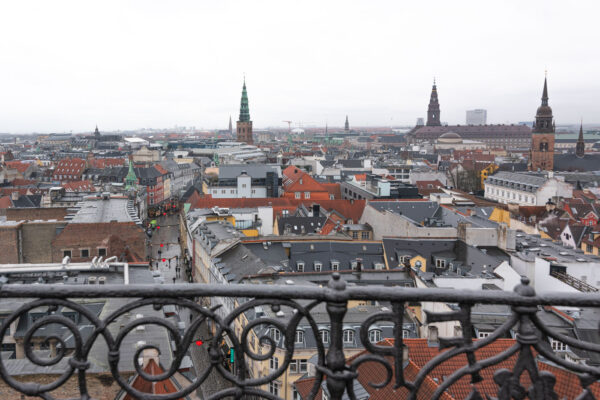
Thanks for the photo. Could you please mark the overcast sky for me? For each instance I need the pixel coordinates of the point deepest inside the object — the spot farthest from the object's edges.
(68, 65)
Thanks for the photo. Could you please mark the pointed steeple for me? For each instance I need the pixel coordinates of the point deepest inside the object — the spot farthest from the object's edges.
(545, 92)
(244, 109)
(580, 146)
(230, 125)
(346, 125)
(96, 132)
(131, 178)
(433, 111)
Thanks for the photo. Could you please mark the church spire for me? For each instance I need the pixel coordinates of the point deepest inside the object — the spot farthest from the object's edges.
(96, 132)
(346, 125)
(433, 111)
(580, 147)
(244, 109)
(230, 126)
(545, 92)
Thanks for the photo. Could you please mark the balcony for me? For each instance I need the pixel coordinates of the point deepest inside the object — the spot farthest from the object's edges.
(335, 375)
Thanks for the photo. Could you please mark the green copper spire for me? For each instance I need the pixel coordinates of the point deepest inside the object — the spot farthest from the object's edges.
(130, 179)
(244, 110)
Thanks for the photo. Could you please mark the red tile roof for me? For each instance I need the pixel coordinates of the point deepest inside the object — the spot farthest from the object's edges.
(102, 163)
(159, 388)
(5, 202)
(160, 169)
(18, 165)
(79, 186)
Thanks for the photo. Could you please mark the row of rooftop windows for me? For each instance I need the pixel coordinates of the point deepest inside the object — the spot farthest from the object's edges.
(335, 265)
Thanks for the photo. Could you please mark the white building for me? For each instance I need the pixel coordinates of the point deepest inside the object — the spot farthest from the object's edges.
(526, 189)
(245, 181)
(477, 117)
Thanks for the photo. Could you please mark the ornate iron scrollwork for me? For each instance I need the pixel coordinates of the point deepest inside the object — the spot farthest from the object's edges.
(332, 370)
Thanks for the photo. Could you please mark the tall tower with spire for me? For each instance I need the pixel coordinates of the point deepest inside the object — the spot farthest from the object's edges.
(230, 126)
(541, 155)
(433, 111)
(244, 125)
(96, 132)
(580, 146)
(347, 125)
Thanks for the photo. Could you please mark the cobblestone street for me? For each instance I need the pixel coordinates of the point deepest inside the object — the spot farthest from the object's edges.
(170, 252)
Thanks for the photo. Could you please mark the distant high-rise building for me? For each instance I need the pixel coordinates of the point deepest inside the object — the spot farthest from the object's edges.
(433, 111)
(244, 125)
(477, 117)
(541, 155)
(347, 125)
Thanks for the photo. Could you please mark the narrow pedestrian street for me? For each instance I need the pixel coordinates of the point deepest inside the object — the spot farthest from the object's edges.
(166, 262)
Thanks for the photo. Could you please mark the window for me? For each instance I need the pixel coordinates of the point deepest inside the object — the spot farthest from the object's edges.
(318, 266)
(439, 263)
(85, 253)
(299, 337)
(102, 252)
(348, 336)
(298, 366)
(307, 195)
(300, 266)
(223, 191)
(364, 235)
(66, 253)
(275, 334)
(324, 334)
(374, 335)
(295, 394)
(335, 265)
(405, 334)
(557, 345)
(331, 197)
(243, 185)
(274, 388)
(379, 266)
(588, 247)
(354, 235)
(297, 195)
(483, 334)
(274, 363)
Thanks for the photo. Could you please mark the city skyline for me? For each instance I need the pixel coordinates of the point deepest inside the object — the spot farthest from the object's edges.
(130, 67)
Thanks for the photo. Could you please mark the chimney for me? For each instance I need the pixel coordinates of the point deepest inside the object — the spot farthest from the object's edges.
(316, 210)
(550, 206)
(15, 195)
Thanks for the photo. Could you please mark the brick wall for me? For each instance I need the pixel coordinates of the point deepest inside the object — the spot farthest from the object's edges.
(30, 214)
(37, 241)
(117, 238)
(99, 386)
(9, 245)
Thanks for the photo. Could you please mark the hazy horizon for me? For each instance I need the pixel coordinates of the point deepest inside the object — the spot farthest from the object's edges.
(70, 65)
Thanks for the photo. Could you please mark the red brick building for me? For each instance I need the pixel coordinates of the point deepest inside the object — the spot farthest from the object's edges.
(84, 241)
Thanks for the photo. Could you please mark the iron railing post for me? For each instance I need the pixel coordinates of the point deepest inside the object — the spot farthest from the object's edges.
(336, 361)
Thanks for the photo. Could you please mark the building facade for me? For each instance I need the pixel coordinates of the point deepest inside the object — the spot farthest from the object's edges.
(541, 155)
(244, 124)
(477, 117)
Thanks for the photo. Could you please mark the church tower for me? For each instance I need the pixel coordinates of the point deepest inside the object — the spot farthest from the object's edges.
(244, 125)
(230, 126)
(433, 111)
(580, 146)
(347, 125)
(541, 155)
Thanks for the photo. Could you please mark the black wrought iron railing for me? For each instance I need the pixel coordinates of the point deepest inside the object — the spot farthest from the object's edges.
(334, 372)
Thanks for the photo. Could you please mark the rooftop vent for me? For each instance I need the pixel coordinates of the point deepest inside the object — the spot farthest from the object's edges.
(92, 280)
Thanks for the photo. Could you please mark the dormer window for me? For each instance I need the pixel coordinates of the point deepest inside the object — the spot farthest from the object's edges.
(335, 265)
(300, 266)
(318, 266)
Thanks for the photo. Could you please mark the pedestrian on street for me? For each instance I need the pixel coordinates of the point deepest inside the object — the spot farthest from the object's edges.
(174, 279)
